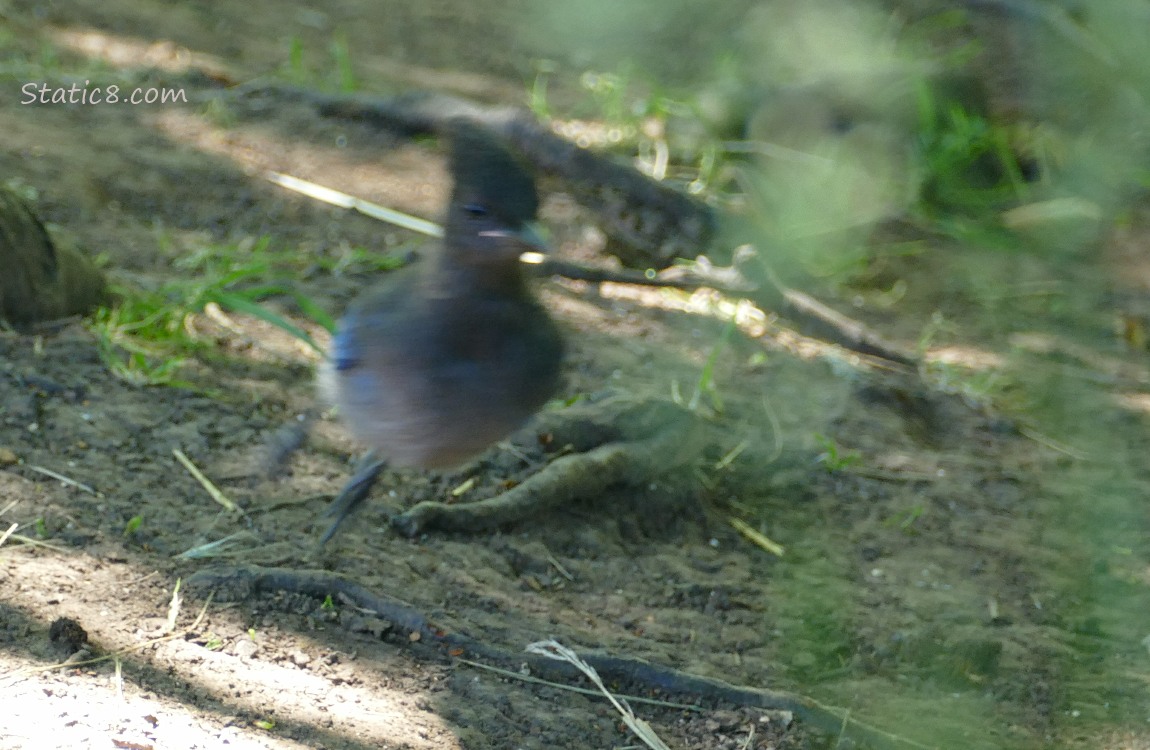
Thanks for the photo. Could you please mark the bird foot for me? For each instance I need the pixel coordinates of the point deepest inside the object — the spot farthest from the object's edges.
(354, 492)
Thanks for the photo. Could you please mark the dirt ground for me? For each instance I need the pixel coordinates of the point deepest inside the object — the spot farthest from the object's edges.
(976, 580)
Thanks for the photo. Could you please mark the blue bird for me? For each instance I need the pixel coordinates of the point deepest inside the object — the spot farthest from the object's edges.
(449, 357)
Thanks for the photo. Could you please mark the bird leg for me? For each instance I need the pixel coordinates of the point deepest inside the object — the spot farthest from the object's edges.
(354, 492)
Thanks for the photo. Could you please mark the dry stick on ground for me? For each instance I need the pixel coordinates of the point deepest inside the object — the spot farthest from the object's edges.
(653, 222)
(244, 581)
(553, 649)
(650, 222)
(815, 319)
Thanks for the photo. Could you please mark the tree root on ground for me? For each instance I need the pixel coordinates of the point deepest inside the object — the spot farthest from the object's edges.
(617, 441)
(630, 674)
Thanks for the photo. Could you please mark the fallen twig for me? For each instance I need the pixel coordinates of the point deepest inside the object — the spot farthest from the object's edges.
(215, 492)
(555, 650)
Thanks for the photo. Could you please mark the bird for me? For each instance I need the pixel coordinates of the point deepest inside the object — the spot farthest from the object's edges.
(444, 359)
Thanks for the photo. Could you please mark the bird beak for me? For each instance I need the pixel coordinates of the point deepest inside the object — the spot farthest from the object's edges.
(530, 237)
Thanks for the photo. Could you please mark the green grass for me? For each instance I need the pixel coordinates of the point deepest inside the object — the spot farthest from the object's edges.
(133, 525)
(971, 165)
(337, 73)
(145, 338)
(142, 340)
(834, 458)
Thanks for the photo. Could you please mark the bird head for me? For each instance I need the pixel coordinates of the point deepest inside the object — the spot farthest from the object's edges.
(493, 203)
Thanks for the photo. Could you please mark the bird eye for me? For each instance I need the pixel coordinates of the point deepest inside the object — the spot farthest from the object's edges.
(476, 210)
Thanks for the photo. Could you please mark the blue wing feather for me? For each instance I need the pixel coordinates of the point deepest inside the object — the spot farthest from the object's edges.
(344, 352)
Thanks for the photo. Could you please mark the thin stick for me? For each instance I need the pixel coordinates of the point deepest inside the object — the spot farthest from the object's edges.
(120, 679)
(214, 549)
(1053, 444)
(558, 565)
(207, 484)
(732, 454)
(343, 200)
(35, 542)
(573, 688)
(66, 480)
(174, 608)
(755, 537)
(642, 730)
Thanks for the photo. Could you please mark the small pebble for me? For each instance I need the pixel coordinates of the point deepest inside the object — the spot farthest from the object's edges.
(245, 648)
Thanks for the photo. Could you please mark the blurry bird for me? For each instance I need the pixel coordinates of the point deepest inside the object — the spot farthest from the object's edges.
(445, 359)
